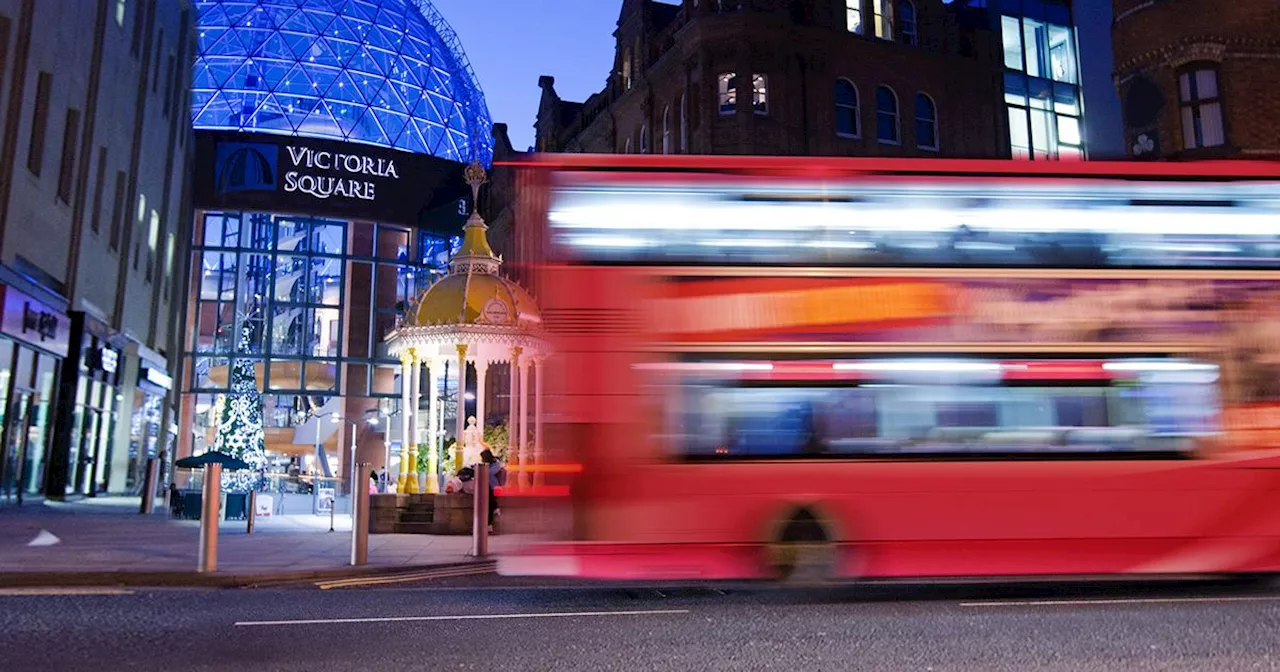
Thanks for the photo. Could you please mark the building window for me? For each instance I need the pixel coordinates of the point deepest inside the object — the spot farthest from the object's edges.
(760, 93)
(1040, 49)
(1044, 119)
(168, 263)
(887, 127)
(883, 15)
(926, 122)
(908, 24)
(666, 130)
(626, 146)
(117, 211)
(728, 88)
(98, 184)
(644, 138)
(39, 124)
(70, 138)
(1201, 109)
(684, 123)
(847, 109)
(853, 16)
(121, 5)
(626, 70)
(139, 222)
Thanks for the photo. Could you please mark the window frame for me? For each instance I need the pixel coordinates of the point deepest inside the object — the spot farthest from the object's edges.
(897, 116)
(1195, 104)
(852, 13)
(882, 17)
(727, 93)
(760, 94)
(932, 120)
(909, 37)
(854, 109)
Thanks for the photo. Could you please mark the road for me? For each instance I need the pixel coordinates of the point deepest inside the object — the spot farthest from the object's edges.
(491, 624)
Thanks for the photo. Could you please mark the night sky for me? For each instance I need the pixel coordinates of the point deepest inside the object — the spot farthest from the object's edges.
(511, 43)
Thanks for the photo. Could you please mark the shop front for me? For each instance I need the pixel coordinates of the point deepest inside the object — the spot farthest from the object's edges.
(32, 345)
(80, 461)
(147, 437)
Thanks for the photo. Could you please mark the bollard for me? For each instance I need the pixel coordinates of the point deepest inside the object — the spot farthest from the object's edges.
(333, 506)
(360, 521)
(209, 518)
(480, 514)
(253, 510)
(149, 487)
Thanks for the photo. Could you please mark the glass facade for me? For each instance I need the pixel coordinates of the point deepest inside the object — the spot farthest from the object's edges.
(28, 378)
(1041, 81)
(316, 297)
(383, 72)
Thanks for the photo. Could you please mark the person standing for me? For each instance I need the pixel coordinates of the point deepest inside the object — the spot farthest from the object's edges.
(497, 477)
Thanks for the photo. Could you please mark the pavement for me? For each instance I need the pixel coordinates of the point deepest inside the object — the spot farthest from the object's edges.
(1191, 628)
(104, 541)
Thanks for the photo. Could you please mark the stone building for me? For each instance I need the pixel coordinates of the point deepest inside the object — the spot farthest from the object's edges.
(1197, 77)
(779, 77)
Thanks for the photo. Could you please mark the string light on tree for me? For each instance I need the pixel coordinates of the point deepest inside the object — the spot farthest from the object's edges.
(240, 432)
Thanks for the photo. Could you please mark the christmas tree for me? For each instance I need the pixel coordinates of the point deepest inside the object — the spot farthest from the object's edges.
(240, 432)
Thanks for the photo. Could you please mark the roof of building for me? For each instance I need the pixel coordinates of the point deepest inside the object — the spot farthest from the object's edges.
(390, 73)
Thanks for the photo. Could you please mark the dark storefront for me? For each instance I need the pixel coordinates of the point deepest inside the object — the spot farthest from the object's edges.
(33, 344)
(86, 420)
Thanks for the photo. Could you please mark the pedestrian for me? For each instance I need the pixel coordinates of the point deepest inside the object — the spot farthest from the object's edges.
(497, 477)
(382, 479)
(373, 482)
(175, 501)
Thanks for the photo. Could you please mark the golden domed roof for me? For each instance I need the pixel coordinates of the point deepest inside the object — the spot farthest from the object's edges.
(474, 292)
(477, 298)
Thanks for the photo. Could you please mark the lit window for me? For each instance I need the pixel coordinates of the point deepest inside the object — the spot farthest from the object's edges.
(120, 9)
(1011, 36)
(1201, 109)
(1062, 55)
(626, 70)
(847, 109)
(760, 93)
(853, 15)
(907, 17)
(926, 122)
(883, 11)
(887, 130)
(728, 93)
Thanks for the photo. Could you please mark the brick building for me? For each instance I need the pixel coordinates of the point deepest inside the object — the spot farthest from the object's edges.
(1197, 77)
(806, 77)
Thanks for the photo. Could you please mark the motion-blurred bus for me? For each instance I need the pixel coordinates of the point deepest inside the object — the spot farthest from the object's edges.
(849, 368)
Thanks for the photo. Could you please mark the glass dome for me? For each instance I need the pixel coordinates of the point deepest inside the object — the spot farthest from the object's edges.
(382, 72)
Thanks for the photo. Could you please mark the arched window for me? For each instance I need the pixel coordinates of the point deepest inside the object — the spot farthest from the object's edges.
(684, 123)
(847, 109)
(666, 130)
(626, 70)
(626, 147)
(907, 23)
(887, 128)
(644, 139)
(926, 122)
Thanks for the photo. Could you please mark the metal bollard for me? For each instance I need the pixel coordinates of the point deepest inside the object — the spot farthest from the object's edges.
(480, 514)
(253, 510)
(209, 518)
(360, 520)
(149, 487)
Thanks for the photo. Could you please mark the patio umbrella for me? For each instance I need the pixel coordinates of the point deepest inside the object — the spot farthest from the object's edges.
(228, 462)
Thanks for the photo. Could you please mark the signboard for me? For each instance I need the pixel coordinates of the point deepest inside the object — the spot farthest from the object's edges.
(33, 322)
(277, 173)
(324, 500)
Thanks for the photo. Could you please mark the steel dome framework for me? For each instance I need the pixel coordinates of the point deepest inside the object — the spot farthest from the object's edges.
(390, 73)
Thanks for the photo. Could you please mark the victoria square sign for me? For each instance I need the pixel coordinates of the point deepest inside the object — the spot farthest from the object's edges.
(285, 174)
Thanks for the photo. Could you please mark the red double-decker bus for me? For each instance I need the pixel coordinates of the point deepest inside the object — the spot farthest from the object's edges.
(773, 367)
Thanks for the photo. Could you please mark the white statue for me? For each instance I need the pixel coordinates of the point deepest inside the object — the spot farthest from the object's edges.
(472, 443)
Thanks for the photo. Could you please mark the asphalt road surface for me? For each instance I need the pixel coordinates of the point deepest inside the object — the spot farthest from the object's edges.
(488, 625)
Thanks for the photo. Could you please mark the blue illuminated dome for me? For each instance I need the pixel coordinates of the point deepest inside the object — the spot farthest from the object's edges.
(383, 72)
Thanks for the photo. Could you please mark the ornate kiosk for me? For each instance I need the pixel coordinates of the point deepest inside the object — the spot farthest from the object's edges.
(473, 315)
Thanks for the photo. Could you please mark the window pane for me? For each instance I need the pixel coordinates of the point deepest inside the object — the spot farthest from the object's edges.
(1184, 86)
(291, 281)
(728, 93)
(760, 93)
(328, 337)
(853, 16)
(285, 375)
(1069, 130)
(392, 243)
(328, 237)
(1042, 143)
(1033, 39)
(1188, 128)
(1019, 137)
(1206, 84)
(323, 376)
(1065, 100)
(1211, 124)
(1062, 54)
(886, 115)
(326, 277)
(1011, 35)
